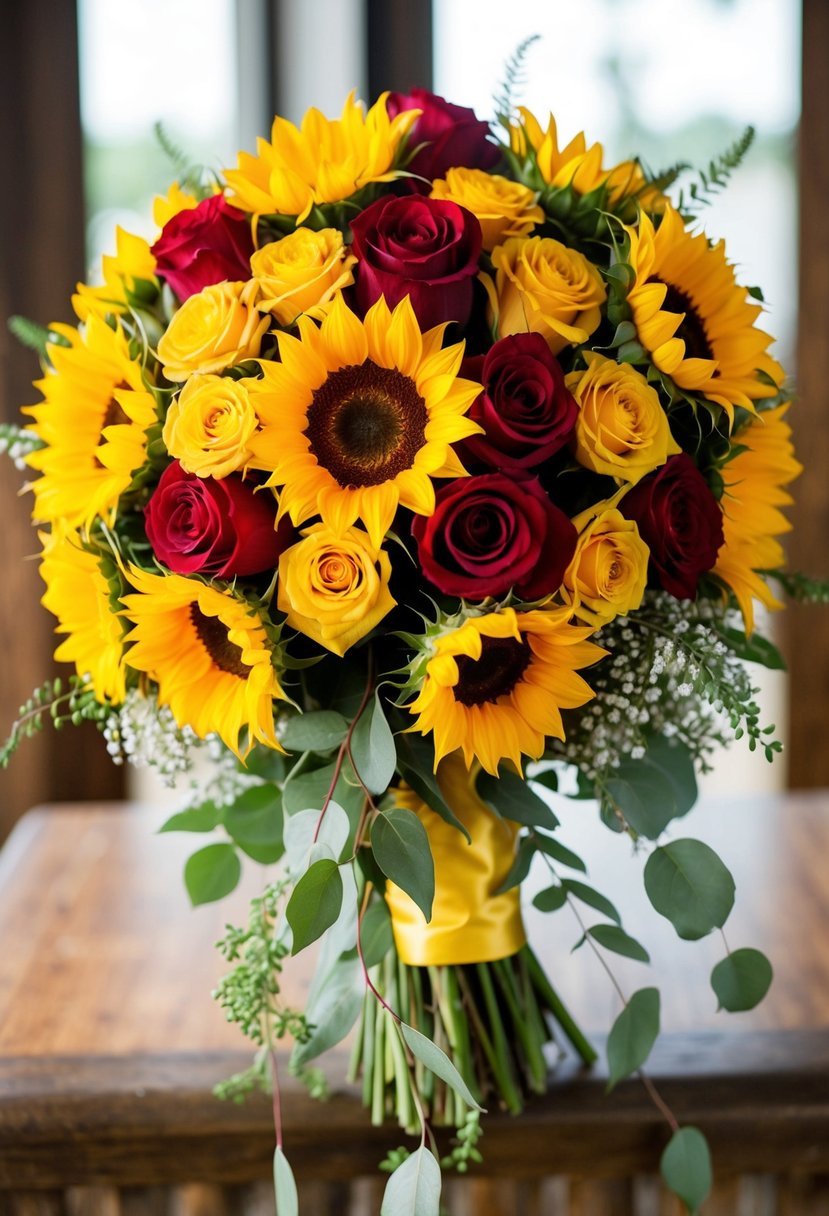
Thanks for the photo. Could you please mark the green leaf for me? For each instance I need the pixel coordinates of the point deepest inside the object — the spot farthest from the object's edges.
(414, 1187)
(594, 899)
(310, 789)
(372, 748)
(633, 1035)
(674, 759)
(685, 1167)
(256, 817)
(415, 760)
(376, 938)
(548, 778)
(401, 850)
(659, 787)
(319, 731)
(741, 980)
(688, 884)
(520, 868)
(754, 649)
(315, 902)
(550, 899)
(287, 1202)
(202, 818)
(437, 1062)
(615, 939)
(511, 797)
(334, 832)
(212, 873)
(559, 852)
(332, 1011)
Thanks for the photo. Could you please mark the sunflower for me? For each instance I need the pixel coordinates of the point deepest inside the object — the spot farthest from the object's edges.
(92, 420)
(693, 318)
(495, 686)
(358, 416)
(132, 261)
(751, 502)
(323, 161)
(77, 593)
(209, 653)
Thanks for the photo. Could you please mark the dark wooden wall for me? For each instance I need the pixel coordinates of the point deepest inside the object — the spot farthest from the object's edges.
(41, 258)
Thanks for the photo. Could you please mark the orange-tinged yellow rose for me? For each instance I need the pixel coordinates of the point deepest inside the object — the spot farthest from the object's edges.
(609, 570)
(622, 429)
(209, 424)
(213, 329)
(300, 271)
(543, 287)
(334, 589)
(502, 208)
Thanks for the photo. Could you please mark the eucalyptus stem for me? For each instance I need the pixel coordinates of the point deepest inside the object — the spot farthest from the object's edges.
(378, 1090)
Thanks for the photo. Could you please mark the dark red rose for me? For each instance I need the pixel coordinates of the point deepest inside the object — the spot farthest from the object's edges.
(527, 413)
(680, 521)
(203, 525)
(492, 533)
(424, 248)
(208, 244)
(452, 134)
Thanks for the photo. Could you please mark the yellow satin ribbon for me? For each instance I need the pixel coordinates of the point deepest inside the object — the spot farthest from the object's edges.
(469, 924)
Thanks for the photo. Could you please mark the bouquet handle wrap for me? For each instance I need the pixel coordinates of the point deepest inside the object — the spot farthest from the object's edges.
(469, 923)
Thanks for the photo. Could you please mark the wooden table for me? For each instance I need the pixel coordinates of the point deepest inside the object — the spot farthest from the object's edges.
(110, 1044)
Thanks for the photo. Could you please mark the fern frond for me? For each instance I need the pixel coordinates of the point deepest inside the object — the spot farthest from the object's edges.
(712, 180)
(504, 100)
(172, 151)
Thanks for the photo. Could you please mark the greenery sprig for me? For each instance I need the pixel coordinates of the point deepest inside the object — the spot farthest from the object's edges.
(61, 705)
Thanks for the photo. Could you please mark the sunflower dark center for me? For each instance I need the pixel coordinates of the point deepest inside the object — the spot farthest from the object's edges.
(212, 634)
(502, 663)
(692, 330)
(366, 423)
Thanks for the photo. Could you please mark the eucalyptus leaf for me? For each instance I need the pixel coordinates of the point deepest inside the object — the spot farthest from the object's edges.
(615, 939)
(319, 731)
(558, 852)
(511, 797)
(633, 1035)
(401, 850)
(520, 868)
(332, 1012)
(755, 649)
(376, 938)
(437, 1062)
(594, 899)
(287, 1201)
(742, 979)
(659, 787)
(689, 885)
(212, 873)
(550, 899)
(256, 817)
(414, 1187)
(309, 789)
(335, 832)
(685, 1167)
(415, 760)
(373, 752)
(202, 818)
(315, 903)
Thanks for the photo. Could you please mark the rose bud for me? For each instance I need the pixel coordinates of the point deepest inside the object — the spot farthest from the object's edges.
(423, 248)
(210, 243)
(526, 411)
(493, 533)
(452, 134)
(680, 521)
(221, 528)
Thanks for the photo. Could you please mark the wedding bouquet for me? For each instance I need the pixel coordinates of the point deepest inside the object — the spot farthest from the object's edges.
(411, 471)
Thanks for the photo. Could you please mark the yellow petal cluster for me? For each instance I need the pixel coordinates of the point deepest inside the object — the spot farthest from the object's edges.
(209, 424)
(609, 571)
(323, 161)
(300, 271)
(213, 329)
(543, 287)
(131, 262)
(503, 208)
(334, 589)
(622, 429)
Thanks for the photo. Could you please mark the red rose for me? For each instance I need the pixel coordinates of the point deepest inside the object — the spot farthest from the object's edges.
(527, 413)
(452, 134)
(492, 533)
(210, 243)
(203, 525)
(424, 248)
(680, 521)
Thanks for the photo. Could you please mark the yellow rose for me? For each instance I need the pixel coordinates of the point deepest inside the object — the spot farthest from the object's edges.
(209, 424)
(502, 208)
(301, 270)
(214, 329)
(543, 287)
(334, 589)
(622, 429)
(609, 570)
